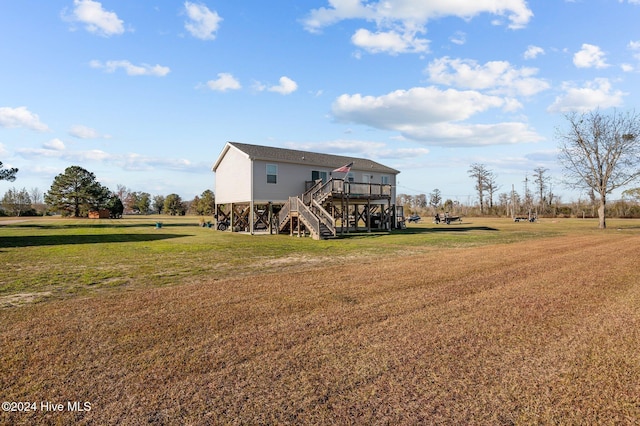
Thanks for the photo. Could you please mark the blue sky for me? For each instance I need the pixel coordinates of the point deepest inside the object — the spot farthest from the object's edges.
(146, 93)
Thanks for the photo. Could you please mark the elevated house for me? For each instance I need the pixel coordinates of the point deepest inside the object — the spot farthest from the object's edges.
(286, 190)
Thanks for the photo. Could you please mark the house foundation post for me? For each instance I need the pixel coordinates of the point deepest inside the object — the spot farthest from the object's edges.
(252, 216)
(347, 210)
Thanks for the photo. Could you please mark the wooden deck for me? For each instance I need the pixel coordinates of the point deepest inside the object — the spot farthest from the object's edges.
(339, 189)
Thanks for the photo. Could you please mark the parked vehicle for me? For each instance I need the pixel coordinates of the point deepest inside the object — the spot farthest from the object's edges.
(414, 218)
(446, 218)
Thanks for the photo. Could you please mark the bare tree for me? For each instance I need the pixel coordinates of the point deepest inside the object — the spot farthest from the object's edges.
(480, 174)
(420, 201)
(492, 188)
(503, 203)
(541, 179)
(633, 194)
(435, 198)
(600, 153)
(16, 202)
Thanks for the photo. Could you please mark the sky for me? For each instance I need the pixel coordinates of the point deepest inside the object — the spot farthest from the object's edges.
(145, 94)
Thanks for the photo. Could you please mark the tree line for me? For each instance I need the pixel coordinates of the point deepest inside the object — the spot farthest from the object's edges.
(599, 153)
(76, 192)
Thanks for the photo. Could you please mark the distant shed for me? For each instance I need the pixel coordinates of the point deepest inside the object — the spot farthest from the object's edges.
(100, 214)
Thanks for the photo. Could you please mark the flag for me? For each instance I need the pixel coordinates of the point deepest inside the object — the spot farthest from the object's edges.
(344, 169)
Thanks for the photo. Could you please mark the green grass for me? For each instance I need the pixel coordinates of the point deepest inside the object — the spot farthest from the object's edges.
(64, 257)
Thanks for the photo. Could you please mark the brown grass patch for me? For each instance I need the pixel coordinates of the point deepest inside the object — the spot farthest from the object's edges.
(19, 299)
(538, 332)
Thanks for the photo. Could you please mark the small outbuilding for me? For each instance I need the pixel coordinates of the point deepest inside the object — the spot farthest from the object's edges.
(261, 187)
(100, 214)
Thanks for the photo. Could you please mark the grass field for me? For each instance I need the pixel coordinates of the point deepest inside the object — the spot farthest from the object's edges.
(484, 322)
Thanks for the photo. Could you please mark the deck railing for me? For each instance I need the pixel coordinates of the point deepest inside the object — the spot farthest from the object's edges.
(363, 188)
(353, 188)
(317, 190)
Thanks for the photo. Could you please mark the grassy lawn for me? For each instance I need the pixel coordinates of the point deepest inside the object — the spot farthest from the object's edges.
(484, 322)
(56, 257)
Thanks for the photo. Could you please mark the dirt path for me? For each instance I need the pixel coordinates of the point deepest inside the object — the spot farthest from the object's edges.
(12, 221)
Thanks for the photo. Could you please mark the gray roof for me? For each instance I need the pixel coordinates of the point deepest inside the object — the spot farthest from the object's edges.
(330, 161)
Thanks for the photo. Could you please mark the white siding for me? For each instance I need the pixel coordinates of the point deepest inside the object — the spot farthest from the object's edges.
(235, 171)
(233, 184)
(291, 179)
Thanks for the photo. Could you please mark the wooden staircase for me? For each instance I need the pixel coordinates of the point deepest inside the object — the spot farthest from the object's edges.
(307, 213)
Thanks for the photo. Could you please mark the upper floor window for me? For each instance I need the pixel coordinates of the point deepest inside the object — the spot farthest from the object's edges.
(384, 180)
(272, 173)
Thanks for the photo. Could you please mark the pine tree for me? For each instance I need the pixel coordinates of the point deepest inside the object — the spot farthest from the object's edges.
(8, 174)
(75, 192)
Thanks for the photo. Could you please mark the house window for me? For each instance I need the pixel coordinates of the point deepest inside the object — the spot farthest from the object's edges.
(350, 177)
(315, 175)
(272, 173)
(384, 180)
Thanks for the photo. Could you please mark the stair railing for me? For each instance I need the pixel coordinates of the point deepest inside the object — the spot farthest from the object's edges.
(324, 216)
(283, 214)
(310, 220)
(308, 195)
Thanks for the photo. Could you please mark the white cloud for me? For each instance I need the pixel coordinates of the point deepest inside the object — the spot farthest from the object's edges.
(96, 19)
(54, 144)
(21, 117)
(360, 148)
(83, 132)
(454, 134)
(389, 41)
(432, 116)
(224, 82)
(595, 94)
(415, 13)
(285, 87)
(533, 52)
(131, 161)
(458, 38)
(203, 23)
(543, 156)
(634, 46)
(130, 69)
(627, 67)
(498, 77)
(258, 86)
(411, 107)
(590, 56)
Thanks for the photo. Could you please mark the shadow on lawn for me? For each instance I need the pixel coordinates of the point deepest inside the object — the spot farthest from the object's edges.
(415, 230)
(114, 225)
(445, 228)
(53, 240)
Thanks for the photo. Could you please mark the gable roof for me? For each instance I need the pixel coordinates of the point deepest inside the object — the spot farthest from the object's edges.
(283, 155)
